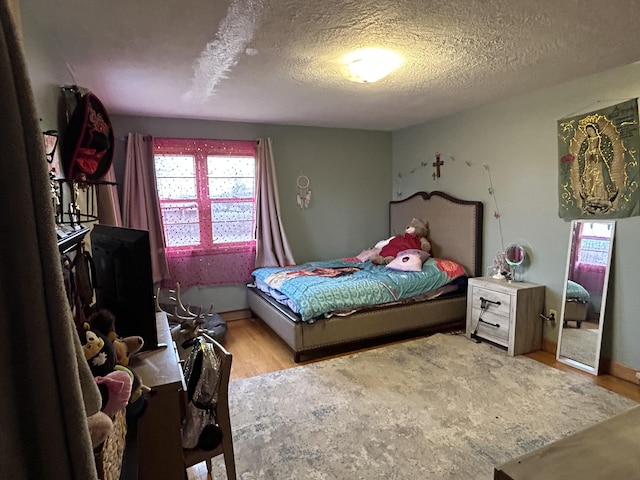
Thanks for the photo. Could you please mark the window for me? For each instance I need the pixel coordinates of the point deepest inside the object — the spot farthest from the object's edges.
(207, 200)
(594, 244)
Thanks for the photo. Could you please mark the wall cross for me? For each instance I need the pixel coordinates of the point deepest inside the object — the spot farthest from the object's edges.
(438, 163)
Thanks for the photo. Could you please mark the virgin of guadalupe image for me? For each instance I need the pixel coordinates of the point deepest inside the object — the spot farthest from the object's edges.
(598, 168)
(597, 187)
(598, 176)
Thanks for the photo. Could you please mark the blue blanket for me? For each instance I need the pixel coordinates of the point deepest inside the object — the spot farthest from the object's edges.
(317, 289)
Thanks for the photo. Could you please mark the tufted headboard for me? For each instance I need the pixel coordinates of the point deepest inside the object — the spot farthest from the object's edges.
(455, 226)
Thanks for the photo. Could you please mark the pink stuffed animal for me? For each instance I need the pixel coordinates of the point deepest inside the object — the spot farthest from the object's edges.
(115, 388)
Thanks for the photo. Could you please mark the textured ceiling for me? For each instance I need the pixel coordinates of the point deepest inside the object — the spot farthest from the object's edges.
(278, 61)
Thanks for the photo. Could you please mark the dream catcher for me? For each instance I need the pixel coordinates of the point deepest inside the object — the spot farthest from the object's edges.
(303, 197)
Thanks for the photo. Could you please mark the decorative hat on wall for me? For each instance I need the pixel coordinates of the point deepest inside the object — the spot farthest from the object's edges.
(88, 145)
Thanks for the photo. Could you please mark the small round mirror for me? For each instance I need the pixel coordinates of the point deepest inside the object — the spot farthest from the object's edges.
(514, 255)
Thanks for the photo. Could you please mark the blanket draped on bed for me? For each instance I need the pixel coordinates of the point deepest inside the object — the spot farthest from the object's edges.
(321, 288)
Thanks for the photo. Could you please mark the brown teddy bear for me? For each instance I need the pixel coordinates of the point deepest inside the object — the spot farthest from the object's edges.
(414, 238)
(125, 347)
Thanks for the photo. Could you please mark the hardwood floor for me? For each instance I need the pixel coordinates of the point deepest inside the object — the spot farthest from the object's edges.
(257, 350)
(622, 387)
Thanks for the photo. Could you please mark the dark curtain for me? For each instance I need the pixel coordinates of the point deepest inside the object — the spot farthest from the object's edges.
(47, 389)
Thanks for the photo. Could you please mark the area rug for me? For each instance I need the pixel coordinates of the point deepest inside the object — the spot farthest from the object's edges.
(440, 407)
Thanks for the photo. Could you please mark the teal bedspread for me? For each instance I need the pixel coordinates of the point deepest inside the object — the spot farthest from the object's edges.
(317, 289)
(577, 292)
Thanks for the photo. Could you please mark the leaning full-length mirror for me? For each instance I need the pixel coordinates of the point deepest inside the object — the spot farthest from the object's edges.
(585, 293)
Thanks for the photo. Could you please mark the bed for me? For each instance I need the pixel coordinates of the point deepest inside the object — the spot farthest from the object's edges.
(455, 227)
(576, 303)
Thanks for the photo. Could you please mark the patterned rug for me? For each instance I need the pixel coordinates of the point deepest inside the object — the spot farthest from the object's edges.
(440, 407)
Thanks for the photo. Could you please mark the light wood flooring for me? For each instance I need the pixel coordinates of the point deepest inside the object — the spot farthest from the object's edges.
(257, 350)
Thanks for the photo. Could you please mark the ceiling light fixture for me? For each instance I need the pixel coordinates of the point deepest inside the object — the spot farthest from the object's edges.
(371, 64)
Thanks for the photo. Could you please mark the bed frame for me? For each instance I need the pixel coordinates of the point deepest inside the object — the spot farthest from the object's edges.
(455, 233)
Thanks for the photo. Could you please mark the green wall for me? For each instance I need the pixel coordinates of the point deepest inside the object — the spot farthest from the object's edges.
(46, 70)
(517, 139)
(350, 175)
(349, 171)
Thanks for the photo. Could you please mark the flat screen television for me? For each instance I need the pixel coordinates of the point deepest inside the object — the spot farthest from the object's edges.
(123, 280)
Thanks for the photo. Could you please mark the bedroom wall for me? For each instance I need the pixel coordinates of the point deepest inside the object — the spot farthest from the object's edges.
(517, 140)
(349, 171)
(46, 71)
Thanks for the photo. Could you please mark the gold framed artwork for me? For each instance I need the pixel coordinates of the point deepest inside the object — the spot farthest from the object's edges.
(598, 163)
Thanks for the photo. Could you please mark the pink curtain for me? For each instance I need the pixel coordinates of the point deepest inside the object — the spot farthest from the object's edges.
(140, 206)
(272, 248)
(228, 262)
(108, 201)
(212, 268)
(589, 276)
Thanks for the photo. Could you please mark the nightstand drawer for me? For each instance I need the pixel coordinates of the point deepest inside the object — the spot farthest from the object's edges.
(495, 328)
(515, 306)
(498, 303)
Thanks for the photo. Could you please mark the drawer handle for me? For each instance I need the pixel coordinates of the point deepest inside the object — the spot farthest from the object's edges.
(497, 325)
(483, 305)
(474, 335)
(484, 302)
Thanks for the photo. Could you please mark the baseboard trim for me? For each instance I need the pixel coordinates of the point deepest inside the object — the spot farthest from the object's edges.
(235, 315)
(619, 370)
(549, 346)
(607, 367)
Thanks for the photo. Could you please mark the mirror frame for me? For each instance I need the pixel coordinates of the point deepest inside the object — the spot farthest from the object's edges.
(513, 266)
(521, 252)
(566, 360)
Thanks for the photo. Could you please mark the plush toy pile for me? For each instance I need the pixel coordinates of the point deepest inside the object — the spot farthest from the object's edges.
(415, 238)
(108, 359)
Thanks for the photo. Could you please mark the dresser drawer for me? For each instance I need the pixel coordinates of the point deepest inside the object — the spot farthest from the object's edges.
(497, 334)
(514, 306)
(498, 303)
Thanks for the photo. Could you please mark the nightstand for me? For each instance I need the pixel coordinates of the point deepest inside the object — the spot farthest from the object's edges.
(506, 314)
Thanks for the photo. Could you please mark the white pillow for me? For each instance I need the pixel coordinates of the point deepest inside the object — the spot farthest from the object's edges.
(409, 260)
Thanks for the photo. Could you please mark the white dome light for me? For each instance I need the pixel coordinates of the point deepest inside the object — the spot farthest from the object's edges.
(371, 64)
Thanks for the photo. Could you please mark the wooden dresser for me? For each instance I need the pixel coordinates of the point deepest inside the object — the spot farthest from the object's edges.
(507, 314)
(154, 448)
(605, 451)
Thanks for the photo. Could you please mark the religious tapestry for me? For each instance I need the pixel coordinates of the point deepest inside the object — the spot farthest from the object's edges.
(598, 168)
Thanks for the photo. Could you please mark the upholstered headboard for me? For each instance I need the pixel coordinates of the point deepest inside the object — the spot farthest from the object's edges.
(455, 226)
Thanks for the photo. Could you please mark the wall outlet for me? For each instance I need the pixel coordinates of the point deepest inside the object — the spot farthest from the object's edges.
(553, 314)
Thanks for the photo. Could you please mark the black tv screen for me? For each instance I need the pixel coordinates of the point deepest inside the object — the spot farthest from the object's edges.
(123, 280)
